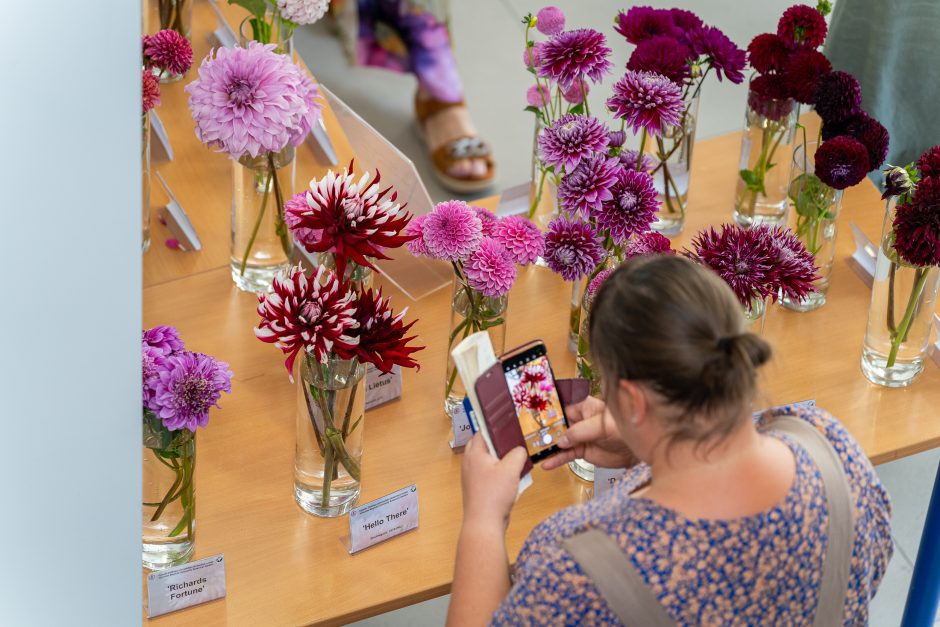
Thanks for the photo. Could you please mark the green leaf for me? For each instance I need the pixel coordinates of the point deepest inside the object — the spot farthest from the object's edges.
(255, 7)
(578, 108)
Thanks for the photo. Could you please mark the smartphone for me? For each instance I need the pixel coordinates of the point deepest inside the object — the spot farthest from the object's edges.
(539, 409)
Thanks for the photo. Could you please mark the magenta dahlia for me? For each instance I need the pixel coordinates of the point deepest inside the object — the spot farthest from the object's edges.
(803, 72)
(616, 139)
(929, 163)
(662, 55)
(185, 387)
(842, 162)
(150, 90)
(838, 96)
(768, 53)
(647, 100)
(917, 232)
(571, 56)
(381, 333)
(572, 248)
(685, 20)
(570, 139)
(168, 51)
(595, 285)
(632, 208)
(313, 315)
(640, 24)
(795, 267)
(629, 159)
(452, 231)
(648, 243)
(802, 26)
(538, 96)
(416, 245)
(725, 56)
(490, 269)
(588, 185)
(165, 340)
(152, 361)
(550, 21)
(521, 238)
(488, 220)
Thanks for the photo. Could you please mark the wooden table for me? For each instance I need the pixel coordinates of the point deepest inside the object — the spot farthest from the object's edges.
(285, 567)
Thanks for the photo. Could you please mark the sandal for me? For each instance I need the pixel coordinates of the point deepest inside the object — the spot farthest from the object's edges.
(462, 146)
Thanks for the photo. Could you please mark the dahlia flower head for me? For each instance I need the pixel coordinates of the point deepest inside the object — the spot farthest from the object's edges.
(917, 220)
(168, 51)
(588, 186)
(352, 218)
(802, 26)
(252, 101)
(574, 56)
(647, 100)
(150, 89)
(571, 138)
(490, 269)
(842, 162)
(572, 248)
(550, 20)
(381, 333)
(303, 11)
(521, 238)
(632, 208)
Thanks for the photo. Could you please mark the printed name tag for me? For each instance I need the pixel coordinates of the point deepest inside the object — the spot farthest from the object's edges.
(384, 518)
(514, 200)
(605, 478)
(160, 148)
(382, 388)
(185, 585)
(863, 259)
(463, 429)
(934, 349)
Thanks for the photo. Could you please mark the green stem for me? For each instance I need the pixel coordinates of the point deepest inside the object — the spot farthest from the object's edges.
(538, 194)
(639, 153)
(892, 328)
(279, 226)
(349, 408)
(587, 108)
(329, 467)
(254, 231)
(169, 496)
(338, 446)
(920, 280)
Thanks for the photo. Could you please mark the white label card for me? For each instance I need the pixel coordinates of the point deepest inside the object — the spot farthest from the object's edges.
(178, 221)
(460, 423)
(515, 200)
(605, 478)
(934, 349)
(863, 259)
(160, 150)
(384, 518)
(185, 585)
(382, 388)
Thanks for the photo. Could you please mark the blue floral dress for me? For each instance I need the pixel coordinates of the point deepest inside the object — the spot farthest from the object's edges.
(758, 570)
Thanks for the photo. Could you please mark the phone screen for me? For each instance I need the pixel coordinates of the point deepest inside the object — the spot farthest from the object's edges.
(538, 406)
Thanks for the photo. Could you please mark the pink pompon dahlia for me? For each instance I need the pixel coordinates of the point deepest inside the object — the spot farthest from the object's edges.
(522, 239)
(575, 55)
(648, 243)
(662, 55)
(303, 11)
(538, 96)
(168, 51)
(595, 285)
(802, 26)
(572, 249)
(642, 23)
(768, 53)
(252, 101)
(165, 340)
(586, 187)
(532, 55)
(381, 333)
(550, 20)
(315, 315)
(357, 219)
(842, 162)
(632, 208)
(724, 55)
(647, 100)
(185, 387)
(490, 269)
(150, 90)
(488, 220)
(452, 231)
(570, 139)
(575, 92)
(416, 245)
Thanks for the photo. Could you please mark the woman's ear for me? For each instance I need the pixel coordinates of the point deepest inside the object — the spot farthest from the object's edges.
(633, 403)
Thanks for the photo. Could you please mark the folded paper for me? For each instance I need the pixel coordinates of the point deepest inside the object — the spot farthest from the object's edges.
(863, 260)
(383, 519)
(160, 149)
(515, 200)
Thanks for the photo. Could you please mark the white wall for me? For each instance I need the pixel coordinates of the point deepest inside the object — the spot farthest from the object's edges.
(70, 313)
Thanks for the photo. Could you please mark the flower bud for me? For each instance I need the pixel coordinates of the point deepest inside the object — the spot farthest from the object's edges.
(897, 182)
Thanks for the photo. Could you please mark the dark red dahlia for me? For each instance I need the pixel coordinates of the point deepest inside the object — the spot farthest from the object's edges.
(929, 162)
(641, 23)
(169, 51)
(927, 191)
(663, 55)
(917, 233)
(802, 26)
(802, 74)
(768, 53)
(842, 162)
(795, 267)
(838, 96)
(743, 258)
(865, 129)
(768, 97)
(381, 334)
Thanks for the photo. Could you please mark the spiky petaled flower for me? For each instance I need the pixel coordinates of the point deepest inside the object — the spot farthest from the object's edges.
(303, 11)
(150, 90)
(381, 333)
(649, 243)
(866, 129)
(572, 249)
(574, 55)
(316, 316)
(570, 139)
(726, 58)
(490, 269)
(533, 374)
(357, 219)
(929, 163)
(588, 185)
(795, 267)
(550, 20)
(451, 231)
(640, 24)
(768, 53)
(632, 208)
(662, 55)
(185, 387)
(838, 97)
(803, 73)
(595, 285)
(521, 396)
(802, 26)
(629, 158)
(743, 258)
(522, 239)
(842, 162)
(165, 340)
(168, 51)
(768, 97)
(646, 100)
(897, 182)
(251, 101)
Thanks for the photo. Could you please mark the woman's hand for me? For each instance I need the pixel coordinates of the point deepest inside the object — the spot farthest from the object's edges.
(489, 484)
(593, 436)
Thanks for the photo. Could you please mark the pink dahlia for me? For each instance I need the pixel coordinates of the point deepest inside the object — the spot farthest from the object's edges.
(632, 208)
(768, 53)
(724, 54)
(313, 315)
(595, 285)
(303, 11)
(490, 269)
(570, 139)
(452, 231)
(521, 238)
(575, 92)
(838, 96)
(416, 245)
(294, 210)
(168, 51)
(357, 219)
(662, 55)
(488, 220)
(165, 340)
(649, 243)
(251, 101)
(538, 96)
(572, 249)
(532, 56)
(152, 360)
(150, 90)
(647, 100)
(842, 162)
(802, 74)
(185, 387)
(640, 24)
(802, 26)
(550, 21)
(381, 334)
(588, 185)
(929, 163)
(571, 56)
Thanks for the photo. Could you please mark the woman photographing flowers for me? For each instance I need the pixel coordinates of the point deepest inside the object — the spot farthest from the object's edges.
(720, 519)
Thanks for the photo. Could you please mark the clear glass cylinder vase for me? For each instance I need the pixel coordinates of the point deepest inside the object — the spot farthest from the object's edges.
(586, 370)
(766, 149)
(903, 300)
(145, 181)
(755, 313)
(261, 242)
(471, 312)
(816, 209)
(672, 154)
(168, 510)
(357, 277)
(328, 454)
(171, 14)
(273, 30)
(543, 193)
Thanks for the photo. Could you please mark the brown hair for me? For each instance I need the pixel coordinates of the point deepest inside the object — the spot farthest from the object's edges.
(678, 328)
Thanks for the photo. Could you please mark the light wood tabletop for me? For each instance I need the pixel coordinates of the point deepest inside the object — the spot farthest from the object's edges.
(285, 567)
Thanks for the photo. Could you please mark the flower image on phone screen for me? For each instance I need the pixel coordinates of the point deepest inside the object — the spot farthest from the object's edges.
(537, 403)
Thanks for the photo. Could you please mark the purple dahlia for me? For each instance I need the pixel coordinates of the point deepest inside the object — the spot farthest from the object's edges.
(588, 185)
(570, 139)
(662, 55)
(186, 387)
(639, 24)
(725, 55)
(647, 100)
(632, 208)
(838, 96)
(572, 248)
(572, 56)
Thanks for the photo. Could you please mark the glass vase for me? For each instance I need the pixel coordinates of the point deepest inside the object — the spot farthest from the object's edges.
(471, 312)
(355, 276)
(574, 314)
(145, 181)
(261, 242)
(328, 456)
(543, 193)
(766, 147)
(171, 14)
(672, 153)
(169, 499)
(903, 299)
(581, 468)
(816, 207)
(755, 313)
(273, 30)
